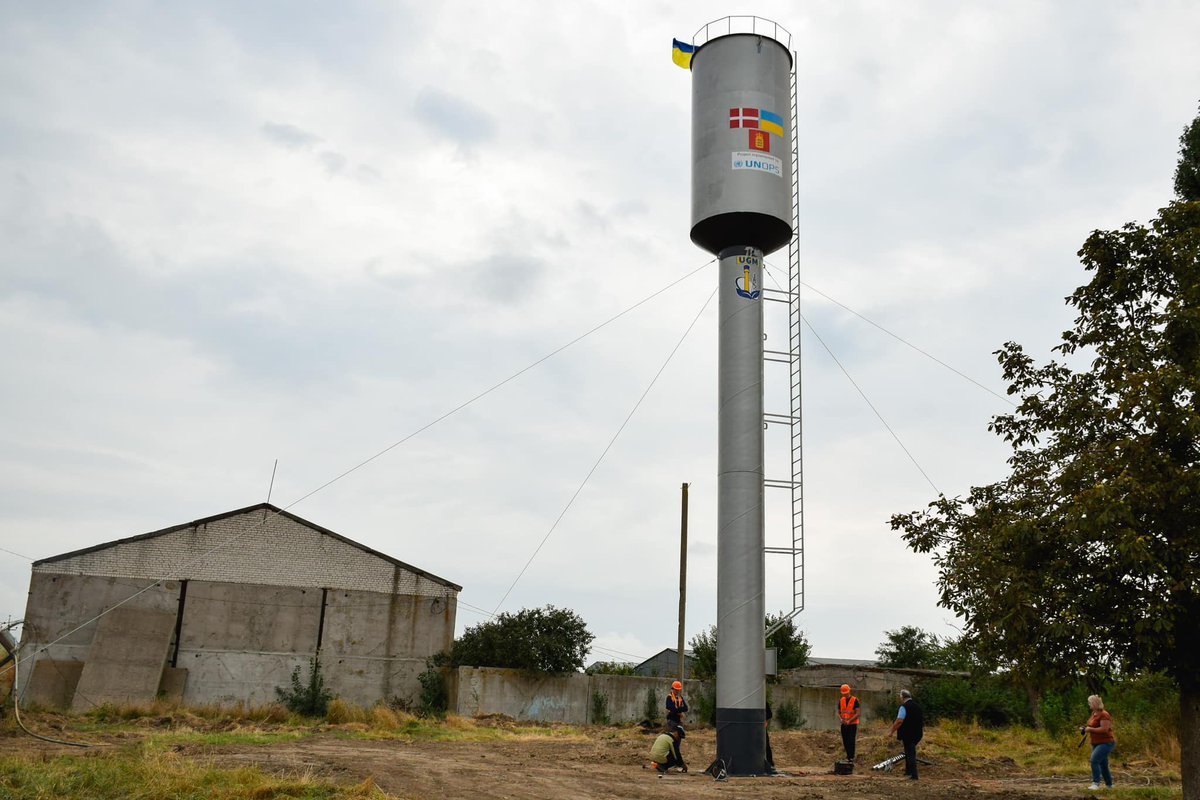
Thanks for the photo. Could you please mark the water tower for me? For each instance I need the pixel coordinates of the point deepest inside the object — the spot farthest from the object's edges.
(741, 211)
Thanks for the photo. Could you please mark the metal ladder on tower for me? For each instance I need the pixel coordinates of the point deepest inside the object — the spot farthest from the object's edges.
(794, 419)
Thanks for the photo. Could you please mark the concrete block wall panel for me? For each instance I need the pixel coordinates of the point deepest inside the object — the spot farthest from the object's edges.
(52, 683)
(58, 603)
(174, 681)
(125, 662)
(478, 691)
(229, 678)
(252, 547)
(375, 625)
(250, 618)
(367, 681)
(545, 698)
(626, 695)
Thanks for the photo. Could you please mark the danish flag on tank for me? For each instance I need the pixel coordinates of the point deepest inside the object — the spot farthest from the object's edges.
(756, 118)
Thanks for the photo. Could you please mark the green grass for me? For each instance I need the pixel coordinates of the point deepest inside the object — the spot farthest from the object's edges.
(151, 771)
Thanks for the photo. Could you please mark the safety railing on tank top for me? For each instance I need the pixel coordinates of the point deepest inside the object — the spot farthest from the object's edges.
(726, 26)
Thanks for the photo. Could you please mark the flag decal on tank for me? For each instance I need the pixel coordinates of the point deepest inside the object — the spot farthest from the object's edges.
(756, 118)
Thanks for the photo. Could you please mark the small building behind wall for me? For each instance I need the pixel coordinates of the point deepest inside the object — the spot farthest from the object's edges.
(223, 609)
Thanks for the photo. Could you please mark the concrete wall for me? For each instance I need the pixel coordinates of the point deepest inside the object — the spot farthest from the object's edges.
(238, 642)
(481, 691)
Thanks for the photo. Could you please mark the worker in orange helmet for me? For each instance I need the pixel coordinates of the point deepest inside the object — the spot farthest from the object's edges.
(676, 705)
(848, 711)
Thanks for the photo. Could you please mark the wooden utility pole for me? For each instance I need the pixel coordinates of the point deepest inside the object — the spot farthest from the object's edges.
(683, 516)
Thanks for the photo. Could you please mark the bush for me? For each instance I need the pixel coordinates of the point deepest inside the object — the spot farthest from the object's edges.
(788, 716)
(988, 700)
(610, 668)
(599, 708)
(704, 705)
(434, 697)
(652, 709)
(310, 697)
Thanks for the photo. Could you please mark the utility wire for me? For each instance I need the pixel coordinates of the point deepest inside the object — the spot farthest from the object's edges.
(15, 553)
(612, 441)
(859, 389)
(906, 343)
(869, 403)
(363, 463)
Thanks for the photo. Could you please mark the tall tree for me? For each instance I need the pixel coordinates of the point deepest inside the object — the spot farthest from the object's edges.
(791, 645)
(1088, 554)
(1187, 174)
(908, 648)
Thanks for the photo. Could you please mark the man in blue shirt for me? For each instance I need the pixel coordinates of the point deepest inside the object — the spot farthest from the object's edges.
(909, 728)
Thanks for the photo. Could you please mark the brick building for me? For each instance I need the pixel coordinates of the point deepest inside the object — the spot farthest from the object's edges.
(221, 610)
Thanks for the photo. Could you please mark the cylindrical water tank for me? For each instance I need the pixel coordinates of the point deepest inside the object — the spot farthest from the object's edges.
(741, 143)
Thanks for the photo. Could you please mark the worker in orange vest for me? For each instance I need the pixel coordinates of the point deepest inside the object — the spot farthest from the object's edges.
(848, 710)
(676, 705)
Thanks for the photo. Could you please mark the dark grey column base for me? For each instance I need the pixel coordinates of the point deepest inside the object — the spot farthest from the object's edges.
(742, 740)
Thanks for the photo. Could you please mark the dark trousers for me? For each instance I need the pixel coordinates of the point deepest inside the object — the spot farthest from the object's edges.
(849, 740)
(673, 760)
(910, 758)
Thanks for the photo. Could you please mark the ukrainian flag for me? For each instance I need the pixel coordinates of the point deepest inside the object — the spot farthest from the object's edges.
(772, 123)
(681, 53)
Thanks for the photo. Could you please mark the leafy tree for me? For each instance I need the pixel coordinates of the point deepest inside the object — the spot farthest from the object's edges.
(610, 668)
(1087, 556)
(704, 650)
(539, 639)
(793, 647)
(909, 648)
(1187, 174)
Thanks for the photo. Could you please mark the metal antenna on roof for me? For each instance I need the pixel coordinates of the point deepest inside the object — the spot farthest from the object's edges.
(271, 487)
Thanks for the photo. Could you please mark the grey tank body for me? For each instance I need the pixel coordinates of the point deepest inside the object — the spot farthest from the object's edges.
(741, 144)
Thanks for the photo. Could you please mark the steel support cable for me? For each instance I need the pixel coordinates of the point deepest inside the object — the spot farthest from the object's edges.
(611, 442)
(872, 405)
(382, 452)
(904, 341)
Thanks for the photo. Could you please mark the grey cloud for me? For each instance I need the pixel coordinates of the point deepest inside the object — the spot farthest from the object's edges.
(334, 162)
(289, 136)
(454, 118)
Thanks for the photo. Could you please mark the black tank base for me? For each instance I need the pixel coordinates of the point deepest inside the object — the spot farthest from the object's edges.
(742, 740)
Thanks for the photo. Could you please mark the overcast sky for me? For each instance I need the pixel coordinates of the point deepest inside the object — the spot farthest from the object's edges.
(232, 233)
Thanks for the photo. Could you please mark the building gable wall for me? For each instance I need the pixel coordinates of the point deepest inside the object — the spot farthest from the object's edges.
(257, 547)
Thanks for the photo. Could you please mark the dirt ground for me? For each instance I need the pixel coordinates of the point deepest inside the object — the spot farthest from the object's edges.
(608, 764)
(613, 763)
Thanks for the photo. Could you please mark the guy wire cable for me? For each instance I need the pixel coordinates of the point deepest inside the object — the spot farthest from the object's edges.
(902, 340)
(872, 405)
(201, 557)
(611, 442)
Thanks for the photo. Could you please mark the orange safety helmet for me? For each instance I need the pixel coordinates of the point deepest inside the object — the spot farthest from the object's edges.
(677, 686)
(845, 688)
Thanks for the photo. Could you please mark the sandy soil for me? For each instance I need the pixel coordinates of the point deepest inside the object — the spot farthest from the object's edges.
(608, 764)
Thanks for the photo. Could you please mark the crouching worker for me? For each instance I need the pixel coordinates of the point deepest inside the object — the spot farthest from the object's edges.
(665, 752)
